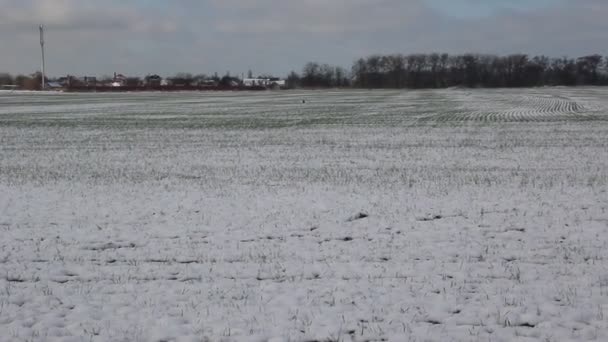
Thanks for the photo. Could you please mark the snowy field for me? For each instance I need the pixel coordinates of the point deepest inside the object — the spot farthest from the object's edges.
(450, 215)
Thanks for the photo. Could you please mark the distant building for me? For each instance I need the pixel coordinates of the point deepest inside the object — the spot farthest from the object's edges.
(208, 83)
(88, 81)
(205, 82)
(73, 81)
(264, 82)
(180, 82)
(153, 81)
(64, 81)
(119, 80)
(54, 85)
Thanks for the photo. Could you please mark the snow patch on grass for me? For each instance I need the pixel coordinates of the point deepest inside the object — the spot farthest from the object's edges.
(253, 218)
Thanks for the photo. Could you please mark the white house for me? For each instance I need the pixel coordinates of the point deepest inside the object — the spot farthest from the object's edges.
(263, 82)
(119, 80)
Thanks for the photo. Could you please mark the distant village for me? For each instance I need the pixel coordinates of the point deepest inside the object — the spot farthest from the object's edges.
(120, 82)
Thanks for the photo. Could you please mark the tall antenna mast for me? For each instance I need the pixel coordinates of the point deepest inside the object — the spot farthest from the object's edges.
(42, 48)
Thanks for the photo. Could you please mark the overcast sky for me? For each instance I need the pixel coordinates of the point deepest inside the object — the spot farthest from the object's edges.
(137, 37)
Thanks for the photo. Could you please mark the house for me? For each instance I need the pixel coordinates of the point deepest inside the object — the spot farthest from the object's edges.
(119, 80)
(65, 81)
(73, 81)
(270, 82)
(70, 81)
(208, 83)
(180, 82)
(54, 85)
(251, 82)
(153, 81)
(88, 81)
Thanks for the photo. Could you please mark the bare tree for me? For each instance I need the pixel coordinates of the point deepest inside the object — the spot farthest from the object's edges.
(6, 79)
(588, 67)
(293, 80)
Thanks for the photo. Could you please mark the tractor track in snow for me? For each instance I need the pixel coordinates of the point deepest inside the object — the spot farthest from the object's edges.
(510, 106)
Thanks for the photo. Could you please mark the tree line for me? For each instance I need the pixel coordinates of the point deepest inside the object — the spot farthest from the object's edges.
(315, 75)
(468, 70)
(21, 81)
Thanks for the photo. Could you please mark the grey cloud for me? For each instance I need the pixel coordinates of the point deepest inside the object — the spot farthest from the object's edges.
(87, 36)
(318, 16)
(78, 15)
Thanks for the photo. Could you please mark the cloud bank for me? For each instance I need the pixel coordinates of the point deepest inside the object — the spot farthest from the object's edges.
(139, 37)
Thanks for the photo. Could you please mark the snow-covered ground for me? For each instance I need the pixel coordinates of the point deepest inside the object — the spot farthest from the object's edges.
(452, 215)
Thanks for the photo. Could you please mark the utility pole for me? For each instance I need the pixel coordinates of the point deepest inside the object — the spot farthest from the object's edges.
(42, 48)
